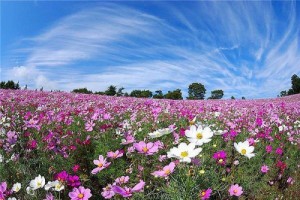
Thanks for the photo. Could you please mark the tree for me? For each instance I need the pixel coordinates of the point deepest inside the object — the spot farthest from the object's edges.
(9, 85)
(295, 84)
(111, 90)
(216, 94)
(243, 98)
(283, 93)
(82, 91)
(196, 91)
(232, 97)
(176, 94)
(120, 92)
(141, 93)
(158, 95)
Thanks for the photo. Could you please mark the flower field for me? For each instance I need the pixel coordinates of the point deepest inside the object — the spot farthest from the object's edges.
(56, 145)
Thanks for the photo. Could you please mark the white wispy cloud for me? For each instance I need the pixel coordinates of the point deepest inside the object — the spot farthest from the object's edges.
(235, 47)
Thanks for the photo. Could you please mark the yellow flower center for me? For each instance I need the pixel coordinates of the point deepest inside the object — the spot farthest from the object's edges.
(167, 171)
(199, 136)
(39, 184)
(243, 151)
(80, 196)
(184, 154)
(203, 193)
(100, 165)
(192, 123)
(145, 149)
(221, 160)
(235, 191)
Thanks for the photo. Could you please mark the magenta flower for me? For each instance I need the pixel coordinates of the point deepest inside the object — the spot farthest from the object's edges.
(101, 164)
(279, 151)
(235, 190)
(61, 176)
(80, 194)
(128, 139)
(205, 194)
(127, 192)
(3, 187)
(108, 193)
(75, 168)
(264, 169)
(220, 157)
(73, 181)
(167, 170)
(269, 149)
(114, 155)
(121, 180)
(147, 149)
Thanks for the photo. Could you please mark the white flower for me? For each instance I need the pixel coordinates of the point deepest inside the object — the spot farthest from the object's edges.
(16, 187)
(245, 149)
(1, 158)
(58, 186)
(184, 152)
(12, 198)
(219, 132)
(30, 191)
(199, 135)
(37, 183)
(160, 132)
(49, 185)
(217, 114)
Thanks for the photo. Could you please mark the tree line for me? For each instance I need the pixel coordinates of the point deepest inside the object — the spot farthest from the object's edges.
(196, 91)
(295, 89)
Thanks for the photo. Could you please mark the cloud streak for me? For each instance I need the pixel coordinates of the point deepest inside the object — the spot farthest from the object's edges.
(220, 44)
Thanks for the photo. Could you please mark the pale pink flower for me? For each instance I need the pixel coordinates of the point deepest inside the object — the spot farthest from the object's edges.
(108, 193)
(101, 164)
(147, 149)
(235, 190)
(167, 170)
(80, 194)
(264, 169)
(114, 155)
(127, 192)
(121, 180)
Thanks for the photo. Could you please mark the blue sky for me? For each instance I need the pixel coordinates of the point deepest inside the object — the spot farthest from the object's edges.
(247, 49)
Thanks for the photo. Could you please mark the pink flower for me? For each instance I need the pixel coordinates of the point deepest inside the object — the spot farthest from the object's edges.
(220, 157)
(89, 126)
(73, 181)
(75, 168)
(148, 149)
(49, 196)
(235, 190)
(167, 170)
(162, 158)
(205, 194)
(269, 149)
(264, 169)
(127, 192)
(115, 155)
(61, 176)
(279, 151)
(80, 194)
(101, 164)
(128, 139)
(108, 193)
(121, 180)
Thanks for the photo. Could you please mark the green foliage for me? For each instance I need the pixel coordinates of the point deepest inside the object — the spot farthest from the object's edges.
(82, 91)
(176, 94)
(111, 90)
(216, 94)
(196, 91)
(158, 95)
(232, 97)
(9, 85)
(141, 93)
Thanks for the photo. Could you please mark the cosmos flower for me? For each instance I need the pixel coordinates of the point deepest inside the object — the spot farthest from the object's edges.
(235, 190)
(205, 194)
(184, 152)
(126, 191)
(37, 183)
(245, 149)
(146, 148)
(80, 193)
(101, 164)
(199, 135)
(167, 170)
